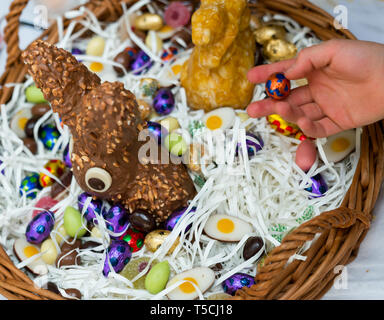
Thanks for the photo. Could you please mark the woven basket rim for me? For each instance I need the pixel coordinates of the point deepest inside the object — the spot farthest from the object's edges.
(341, 230)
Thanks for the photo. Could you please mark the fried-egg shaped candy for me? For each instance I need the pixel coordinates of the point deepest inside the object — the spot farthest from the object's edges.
(226, 228)
(280, 125)
(278, 86)
(221, 118)
(19, 121)
(24, 250)
(340, 145)
(202, 277)
(56, 168)
(40, 227)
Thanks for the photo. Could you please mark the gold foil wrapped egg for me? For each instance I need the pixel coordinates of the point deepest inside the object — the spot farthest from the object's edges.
(280, 125)
(278, 49)
(156, 238)
(269, 32)
(148, 87)
(148, 21)
(145, 109)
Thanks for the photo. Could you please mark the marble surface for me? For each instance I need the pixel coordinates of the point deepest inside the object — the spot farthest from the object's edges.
(362, 279)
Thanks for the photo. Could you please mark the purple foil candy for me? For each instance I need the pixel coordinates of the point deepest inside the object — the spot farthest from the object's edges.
(67, 157)
(40, 227)
(164, 102)
(77, 51)
(157, 131)
(142, 63)
(236, 282)
(318, 187)
(93, 208)
(253, 142)
(2, 171)
(117, 219)
(118, 254)
(172, 220)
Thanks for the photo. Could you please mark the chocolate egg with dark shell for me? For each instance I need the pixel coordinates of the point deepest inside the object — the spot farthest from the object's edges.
(40, 227)
(118, 255)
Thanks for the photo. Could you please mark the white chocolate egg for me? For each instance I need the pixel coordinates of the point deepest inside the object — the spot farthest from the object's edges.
(221, 118)
(340, 145)
(24, 250)
(19, 120)
(226, 228)
(201, 277)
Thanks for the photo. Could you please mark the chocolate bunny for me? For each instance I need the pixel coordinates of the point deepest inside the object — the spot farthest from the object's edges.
(105, 123)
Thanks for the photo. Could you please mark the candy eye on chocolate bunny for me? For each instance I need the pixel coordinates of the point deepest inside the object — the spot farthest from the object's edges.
(98, 179)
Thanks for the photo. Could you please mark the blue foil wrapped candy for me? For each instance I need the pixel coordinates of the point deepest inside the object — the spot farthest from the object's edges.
(118, 254)
(157, 131)
(116, 219)
(142, 63)
(318, 187)
(48, 135)
(164, 101)
(172, 220)
(236, 282)
(94, 208)
(30, 185)
(40, 227)
(253, 142)
(67, 157)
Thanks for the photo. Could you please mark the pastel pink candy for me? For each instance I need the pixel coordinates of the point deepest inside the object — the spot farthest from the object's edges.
(177, 15)
(43, 204)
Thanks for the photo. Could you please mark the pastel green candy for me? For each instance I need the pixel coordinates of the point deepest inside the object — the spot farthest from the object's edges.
(157, 277)
(175, 143)
(34, 95)
(73, 222)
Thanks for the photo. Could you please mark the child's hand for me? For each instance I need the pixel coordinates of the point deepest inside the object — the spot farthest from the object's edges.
(345, 87)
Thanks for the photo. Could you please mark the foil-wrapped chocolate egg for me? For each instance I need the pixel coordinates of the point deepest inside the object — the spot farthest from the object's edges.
(280, 125)
(169, 53)
(278, 86)
(134, 238)
(56, 168)
(67, 157)
(94, 207)
(253, 143)
(148, 21)
(148, 87)
(116, 219)
(156, 238)
(172, 220)
(236, 282)
(40, 227)
(269, 32)
(141, 63)
(77, 51)
(48, 135)
(318, 187)
(157, 131)
(30, 185)
(164, 101)
(279, 49)
(118, 255)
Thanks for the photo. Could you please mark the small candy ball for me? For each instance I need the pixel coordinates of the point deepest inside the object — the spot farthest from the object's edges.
(164, 101)
(156, 130)
(48, 134)
(40, 109)
(34, 94)
(172, 220)
(43, 204)
(148, 87)
(148, 21)
(56, 168)
(40, 227)
(73, 222)
(93, 209)
(306, 154)
(67, 157)
(280, 125)
(118, 255)
(236, 282)
(29, 185)
(125, 59)
(253, 143)
(142, 63)
(177, 15)
(116, 219)
(318, 187)
(252, 246)
(175, 143)
(142, 221)
(278, 86)
(134, 238)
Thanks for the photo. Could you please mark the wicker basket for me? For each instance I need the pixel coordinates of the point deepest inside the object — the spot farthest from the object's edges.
(340, 231)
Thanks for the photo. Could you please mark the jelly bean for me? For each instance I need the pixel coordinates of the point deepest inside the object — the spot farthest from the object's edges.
(73, 222)
(175, 143)
(29, 126)
(157, 277)
(252, 246)
(48, 248)
(34, 95)
(170, 124)
(95, 46)
(40, 109)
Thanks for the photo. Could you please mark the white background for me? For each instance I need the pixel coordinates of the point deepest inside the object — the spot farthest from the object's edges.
(365, 275)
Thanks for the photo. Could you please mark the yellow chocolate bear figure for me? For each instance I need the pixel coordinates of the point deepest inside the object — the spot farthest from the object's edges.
(216, 73)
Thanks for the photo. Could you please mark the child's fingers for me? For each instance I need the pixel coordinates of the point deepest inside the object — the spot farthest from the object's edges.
(310, 59)
(318, 129)
(261, 73)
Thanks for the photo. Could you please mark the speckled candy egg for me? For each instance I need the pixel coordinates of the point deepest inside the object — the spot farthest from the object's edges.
(40, 227)
(142, 63)
(318, 187)
(48, 134)
(280, 125)
(116, 219)
(164, 101)
(253, 142)
(169, 53)
(56, 168)
(236, 282)
(134, 238)
(278, 86)
(157, 130)
(172, 220)
(118, 255)
(30, 185)
(67, 157)
(94, 207)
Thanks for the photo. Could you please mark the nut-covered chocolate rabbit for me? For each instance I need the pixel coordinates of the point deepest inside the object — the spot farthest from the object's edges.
(105, 124)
